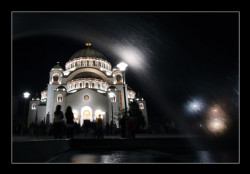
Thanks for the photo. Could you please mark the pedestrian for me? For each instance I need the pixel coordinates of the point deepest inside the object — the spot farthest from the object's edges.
(42, 128)
(69, 122)
(32, 129)
(47, 119)
(99, 128)
(122, 124)
(107, 128)
(58, 122)
(132, 127)
(111, 128)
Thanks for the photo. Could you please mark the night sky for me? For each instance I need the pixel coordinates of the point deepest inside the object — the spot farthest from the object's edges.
(173, 58)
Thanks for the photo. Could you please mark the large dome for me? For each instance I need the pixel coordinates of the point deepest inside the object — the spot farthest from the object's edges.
(87, 52)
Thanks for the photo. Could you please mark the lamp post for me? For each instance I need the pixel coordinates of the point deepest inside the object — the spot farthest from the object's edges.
(111, 96)
(26, 96)
(122, 66)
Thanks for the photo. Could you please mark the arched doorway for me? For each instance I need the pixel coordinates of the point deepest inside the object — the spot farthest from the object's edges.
(86, 114)
(98, 114)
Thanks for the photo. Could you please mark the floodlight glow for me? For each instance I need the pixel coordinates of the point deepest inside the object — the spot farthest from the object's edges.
(122, 66)
(26, 94)
(75, 114)
(101, 91)
(73, 91)
(133, 55)
(216, 125)
(98, 114)
(111, 95)
(194, 106)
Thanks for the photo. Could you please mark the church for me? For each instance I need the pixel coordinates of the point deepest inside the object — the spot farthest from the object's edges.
(91, 86)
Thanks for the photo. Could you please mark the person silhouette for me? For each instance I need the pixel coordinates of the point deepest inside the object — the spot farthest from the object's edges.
(107, 128)
(111, 127)
(69, 122)
(58, 122)
(47, 120)
(132, 127)
(122, 123)
(99, 127)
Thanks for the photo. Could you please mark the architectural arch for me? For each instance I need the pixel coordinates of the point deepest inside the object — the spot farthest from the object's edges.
(86, 114)
(93, 70)
(59, 98)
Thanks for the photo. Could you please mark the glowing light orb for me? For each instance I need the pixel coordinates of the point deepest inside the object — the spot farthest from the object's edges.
(131, 55)
(26, 95)
(216, 125)
(194, 106)
(217, 120)
(122, 66)
(86, 113)
(75, 115)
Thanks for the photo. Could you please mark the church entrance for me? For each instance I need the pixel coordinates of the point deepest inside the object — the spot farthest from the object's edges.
(86, 114)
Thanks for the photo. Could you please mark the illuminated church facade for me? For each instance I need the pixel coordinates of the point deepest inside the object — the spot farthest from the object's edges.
(91, 86)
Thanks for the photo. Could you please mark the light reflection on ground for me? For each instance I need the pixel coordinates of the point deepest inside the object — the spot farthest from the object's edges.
(204, 157)
(140, 156)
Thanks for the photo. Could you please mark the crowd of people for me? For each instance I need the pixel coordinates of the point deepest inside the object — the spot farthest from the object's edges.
(61, 128)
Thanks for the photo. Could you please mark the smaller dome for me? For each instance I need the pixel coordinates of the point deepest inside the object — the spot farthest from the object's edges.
(36, 97)
(112, 88)
(87, 52)
(61, 88)
(57, 66)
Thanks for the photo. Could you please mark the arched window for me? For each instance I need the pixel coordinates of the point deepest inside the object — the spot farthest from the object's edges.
(76, 63)
(99, 86)
(33, 106)
(93, 85)
(55, 77)
(93, 63)
(80, 85)
(75, 85)
(119, 78)
(87, 85)
(59, 98)
(113, 98)
(87, 63)
(141, 106)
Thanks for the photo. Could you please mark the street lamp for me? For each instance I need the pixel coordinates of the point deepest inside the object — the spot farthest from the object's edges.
(122, 66)
(26, 96)
(111, 94)
(112, 99)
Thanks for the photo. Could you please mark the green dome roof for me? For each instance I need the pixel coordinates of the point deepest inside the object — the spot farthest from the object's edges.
(112, 88)
(87, 52)
(61, 87)
(58, 66)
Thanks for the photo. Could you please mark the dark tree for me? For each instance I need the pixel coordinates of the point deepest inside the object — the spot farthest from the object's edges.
(136, 113)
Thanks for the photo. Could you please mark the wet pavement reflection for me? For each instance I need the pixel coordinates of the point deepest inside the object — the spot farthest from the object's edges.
(143, 156)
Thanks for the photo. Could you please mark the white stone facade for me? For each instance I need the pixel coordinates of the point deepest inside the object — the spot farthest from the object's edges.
(84, 86)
